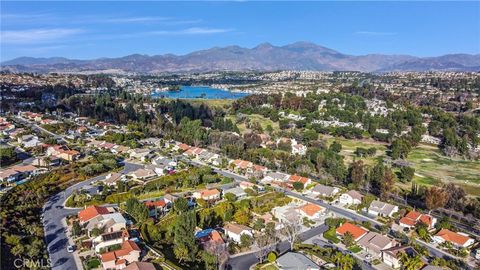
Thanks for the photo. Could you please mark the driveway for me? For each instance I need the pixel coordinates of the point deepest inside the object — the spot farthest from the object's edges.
(53, 214)
(246, 260)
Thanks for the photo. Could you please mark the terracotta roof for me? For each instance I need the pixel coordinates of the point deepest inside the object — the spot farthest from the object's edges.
(453, 237)
(183, 146)
(121, 261)
(109, 256)
(407, 221)
(160, 203)
(413, 217)
(127, 247)
(297, 178)
(91, 212)
(209, 192)
(355, 230)
(311, 209)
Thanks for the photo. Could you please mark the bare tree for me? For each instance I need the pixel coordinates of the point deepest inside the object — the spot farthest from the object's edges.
(219, 251)
(264, 244)
(291, 229)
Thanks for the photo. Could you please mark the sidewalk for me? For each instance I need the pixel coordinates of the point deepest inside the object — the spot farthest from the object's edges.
(76, 256)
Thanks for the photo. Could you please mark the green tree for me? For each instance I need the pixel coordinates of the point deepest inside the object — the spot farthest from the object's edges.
(348, 240)
(298, 186)
(246, 240)
(185, 248)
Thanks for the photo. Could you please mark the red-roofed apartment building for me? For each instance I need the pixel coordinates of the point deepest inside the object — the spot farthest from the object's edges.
(356, 231)
(119, 259)
(414, 217)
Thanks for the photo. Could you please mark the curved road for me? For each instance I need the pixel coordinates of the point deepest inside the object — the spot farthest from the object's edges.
(53, 214)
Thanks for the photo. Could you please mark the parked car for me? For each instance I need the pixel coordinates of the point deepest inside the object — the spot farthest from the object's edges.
(71, 249)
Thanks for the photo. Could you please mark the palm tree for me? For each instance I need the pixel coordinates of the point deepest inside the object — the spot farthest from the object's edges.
(411, 263)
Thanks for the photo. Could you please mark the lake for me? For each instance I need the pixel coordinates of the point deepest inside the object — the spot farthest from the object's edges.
(190, 92)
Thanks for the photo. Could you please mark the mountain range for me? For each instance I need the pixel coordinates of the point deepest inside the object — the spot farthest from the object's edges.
(264, 57)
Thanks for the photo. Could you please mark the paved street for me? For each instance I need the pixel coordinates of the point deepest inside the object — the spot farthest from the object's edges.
(53, 212)
(245, 261)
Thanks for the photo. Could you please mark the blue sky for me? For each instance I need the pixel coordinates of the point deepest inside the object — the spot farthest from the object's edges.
(85, 30)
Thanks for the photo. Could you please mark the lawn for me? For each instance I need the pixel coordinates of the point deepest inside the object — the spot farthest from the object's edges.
(355, 249)
(331, 235)
(210, 102)
(264, 122)
(350, 145)
(431, 166)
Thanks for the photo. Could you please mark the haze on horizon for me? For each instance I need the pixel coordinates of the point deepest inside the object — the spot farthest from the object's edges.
(87, 30)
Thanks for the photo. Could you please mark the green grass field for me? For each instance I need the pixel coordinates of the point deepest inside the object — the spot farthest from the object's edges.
(210, 102)
(431, 166)
(264, 122)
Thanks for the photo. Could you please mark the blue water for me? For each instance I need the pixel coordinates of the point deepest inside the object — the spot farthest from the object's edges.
(199, 92)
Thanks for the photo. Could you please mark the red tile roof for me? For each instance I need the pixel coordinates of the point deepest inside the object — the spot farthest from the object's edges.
(311, 209)
(353, 229)
(160, 203)
(91, 212)
(453, 237)
(297, 178)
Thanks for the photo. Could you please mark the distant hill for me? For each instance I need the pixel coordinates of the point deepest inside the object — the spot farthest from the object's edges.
(264, 57)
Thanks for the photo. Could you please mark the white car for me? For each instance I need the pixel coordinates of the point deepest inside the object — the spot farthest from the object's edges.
(368, 257)
(70, 249)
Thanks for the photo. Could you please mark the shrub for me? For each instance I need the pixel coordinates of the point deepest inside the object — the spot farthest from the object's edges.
(272, 256)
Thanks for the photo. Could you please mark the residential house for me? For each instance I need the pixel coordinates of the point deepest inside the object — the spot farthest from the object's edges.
(460, 240)
(311, 211)
(414, 217)
(140, 266)
(237, 191)
(351, 197)
(378, 208)
(17, 173)
(299, 149)
(142, 174)
(169, 199)
(294, 260)
(93, 211)
(392, 256)
(241, 166)
(170, 163)
(62, 151)
(245, 185)
(325, 191)
(357, 232)
(235, 231)
(156, 208)
(300, 179)
(112, 178)
(119, 259)
(109, 239)
(141, 154)
(29, 141)
(111, 222)
(194, 152)
(273, 177)
(207, 194)
(209, 238)
(374, 243)
(286, 213)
